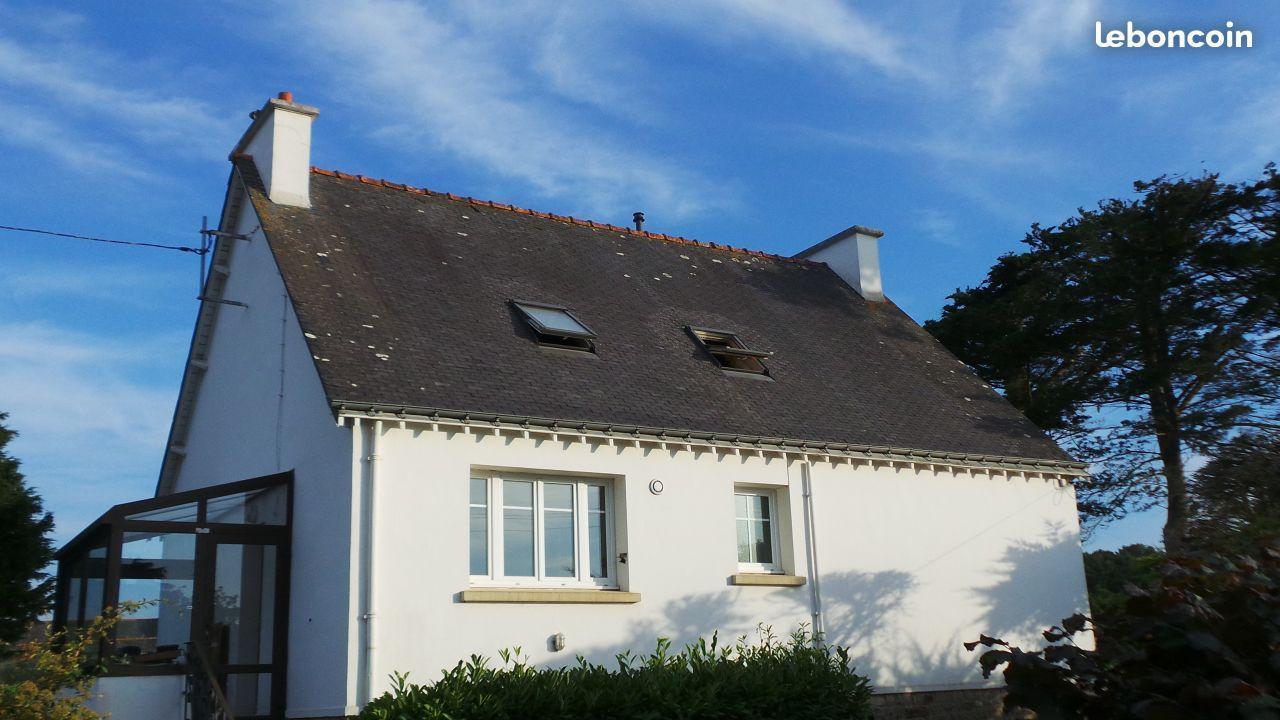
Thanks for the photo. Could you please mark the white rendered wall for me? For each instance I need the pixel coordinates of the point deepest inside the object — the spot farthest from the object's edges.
(856, 259)
(149, 697)
(282, 152)
(912, 564)
(233, 436)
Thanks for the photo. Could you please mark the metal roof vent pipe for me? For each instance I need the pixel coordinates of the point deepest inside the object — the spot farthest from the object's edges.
(638, 217)
(854, 255)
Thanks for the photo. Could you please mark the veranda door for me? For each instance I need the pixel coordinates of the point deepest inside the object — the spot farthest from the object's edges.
(239, 617)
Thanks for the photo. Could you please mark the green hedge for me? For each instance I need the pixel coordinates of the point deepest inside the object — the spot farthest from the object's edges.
(770, 678)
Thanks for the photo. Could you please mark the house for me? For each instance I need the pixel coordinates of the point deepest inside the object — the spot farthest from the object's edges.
(416, 426)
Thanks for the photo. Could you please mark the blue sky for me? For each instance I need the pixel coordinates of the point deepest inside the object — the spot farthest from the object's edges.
(756, 123)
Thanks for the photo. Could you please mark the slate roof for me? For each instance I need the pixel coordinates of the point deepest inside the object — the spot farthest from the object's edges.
(403, 295)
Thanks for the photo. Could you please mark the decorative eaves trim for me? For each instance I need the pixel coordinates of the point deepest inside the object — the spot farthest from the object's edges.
(690, 438)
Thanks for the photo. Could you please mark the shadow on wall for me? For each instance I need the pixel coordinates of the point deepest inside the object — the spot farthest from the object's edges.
(862, 611)
(1035, 583)
(870, 613)
(1038, 582)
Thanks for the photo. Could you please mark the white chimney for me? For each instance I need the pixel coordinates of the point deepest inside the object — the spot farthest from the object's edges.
(854, 255)
(280, 142)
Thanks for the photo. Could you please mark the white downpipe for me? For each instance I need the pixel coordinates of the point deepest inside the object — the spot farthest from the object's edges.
(368, 565)
(811, 549)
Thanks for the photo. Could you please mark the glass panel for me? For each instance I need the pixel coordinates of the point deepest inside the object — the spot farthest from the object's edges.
(75, 579)
(553, 319)
(763, 542)
(265, 506)
(557, 496)
(744, 541)
(244, 591)
(557, 530)
(479, 541)
(177, 513)
(517, 528)
(517, 493)
(755, 539)
(95, 581)
(479, 526)
(597, 540)
(249, 694)
(159, 569)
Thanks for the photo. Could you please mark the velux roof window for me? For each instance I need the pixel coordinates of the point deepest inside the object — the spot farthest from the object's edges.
(729, 352)
(556, 326)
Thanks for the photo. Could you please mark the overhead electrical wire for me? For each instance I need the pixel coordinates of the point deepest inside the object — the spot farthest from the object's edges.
(180, 248)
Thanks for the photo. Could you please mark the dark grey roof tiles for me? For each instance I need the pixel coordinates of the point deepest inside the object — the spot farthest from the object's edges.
(404, 300)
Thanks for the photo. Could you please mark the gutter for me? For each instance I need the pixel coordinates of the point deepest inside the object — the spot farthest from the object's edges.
(811, 552)
(368, 556)
(346, 408)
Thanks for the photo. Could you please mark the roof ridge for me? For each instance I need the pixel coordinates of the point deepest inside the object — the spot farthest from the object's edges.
(378, 182)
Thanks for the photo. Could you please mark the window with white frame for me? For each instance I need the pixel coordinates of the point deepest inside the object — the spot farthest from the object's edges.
(756, 517)
(541, 530)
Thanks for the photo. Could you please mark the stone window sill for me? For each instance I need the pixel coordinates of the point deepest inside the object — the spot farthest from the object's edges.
(766, 579)
(548, 595)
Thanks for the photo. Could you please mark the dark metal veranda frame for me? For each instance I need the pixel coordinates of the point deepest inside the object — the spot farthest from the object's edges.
(106, 535)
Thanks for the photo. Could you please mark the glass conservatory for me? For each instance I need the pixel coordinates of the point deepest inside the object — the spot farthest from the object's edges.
(209, 569)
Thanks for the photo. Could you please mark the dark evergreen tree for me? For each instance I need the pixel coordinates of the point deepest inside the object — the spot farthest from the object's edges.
(1235, 497)
(1137, 334)
(26, 590)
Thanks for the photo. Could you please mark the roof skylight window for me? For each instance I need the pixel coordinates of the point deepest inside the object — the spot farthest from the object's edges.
(729, 352)
(556, 326)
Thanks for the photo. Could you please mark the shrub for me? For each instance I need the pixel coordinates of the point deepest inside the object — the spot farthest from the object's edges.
(51, 677)
(772, 678)
(1201, 641)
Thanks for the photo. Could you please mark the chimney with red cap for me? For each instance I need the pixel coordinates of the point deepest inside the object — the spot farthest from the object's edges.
(279, 140)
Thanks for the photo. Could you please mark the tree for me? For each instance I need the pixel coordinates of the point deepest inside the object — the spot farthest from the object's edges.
(1110, 574)
(1235, 497)
(1136, 334)
(25, 549)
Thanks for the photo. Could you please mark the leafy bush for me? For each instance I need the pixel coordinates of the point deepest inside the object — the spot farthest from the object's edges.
(51, 677)
(772, 678)
(1202, 641)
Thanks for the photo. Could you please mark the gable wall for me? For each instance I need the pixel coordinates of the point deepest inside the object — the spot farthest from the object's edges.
(241, 428)
(911, 562)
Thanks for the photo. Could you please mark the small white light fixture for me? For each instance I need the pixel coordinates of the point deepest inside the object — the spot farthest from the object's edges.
(655, 487)
(557, 642)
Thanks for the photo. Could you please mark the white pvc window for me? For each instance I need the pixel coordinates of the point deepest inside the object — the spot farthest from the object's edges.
(541, 530)
(756, 521)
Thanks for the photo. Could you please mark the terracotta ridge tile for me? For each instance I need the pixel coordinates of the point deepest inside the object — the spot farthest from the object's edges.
(675, 239)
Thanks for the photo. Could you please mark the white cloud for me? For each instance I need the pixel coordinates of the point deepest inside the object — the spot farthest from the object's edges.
(937, 226)
(26, 127)
(92, 109)
(826, 28)
(580, 61)
(440, 83)
(89, 435)
(1013, 58)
